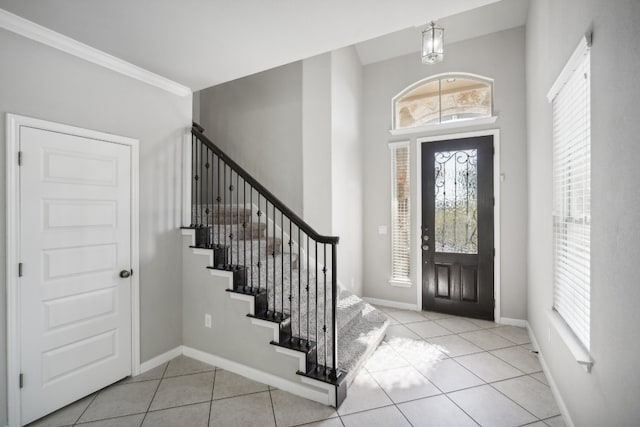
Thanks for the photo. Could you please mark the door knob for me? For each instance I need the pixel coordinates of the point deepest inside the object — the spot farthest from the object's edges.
(125, 273)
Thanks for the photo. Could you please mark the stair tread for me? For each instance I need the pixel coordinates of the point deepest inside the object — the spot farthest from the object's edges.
(247, 291)
(322, 373)
(270, 316)
(297, 344)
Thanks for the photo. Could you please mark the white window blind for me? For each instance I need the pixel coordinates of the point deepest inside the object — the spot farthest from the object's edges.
(571, 104)
(400, 213)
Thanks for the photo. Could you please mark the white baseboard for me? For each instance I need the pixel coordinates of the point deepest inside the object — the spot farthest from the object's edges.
(160, 359)
(512, 322)
(392, 304)
(552, 384)
(326, 398)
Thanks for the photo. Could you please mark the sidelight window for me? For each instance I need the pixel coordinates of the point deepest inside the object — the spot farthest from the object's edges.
(400, 214)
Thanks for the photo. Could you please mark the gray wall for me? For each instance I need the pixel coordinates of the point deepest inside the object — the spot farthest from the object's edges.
(257, 121)
(41, 82)
(346, 164)
(297, 129)
(609, 394)
(499, 56)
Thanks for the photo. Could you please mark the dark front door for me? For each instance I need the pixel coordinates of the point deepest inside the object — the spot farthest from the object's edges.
(457, 227)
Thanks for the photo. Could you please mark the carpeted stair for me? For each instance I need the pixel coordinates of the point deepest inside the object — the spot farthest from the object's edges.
(361, 327)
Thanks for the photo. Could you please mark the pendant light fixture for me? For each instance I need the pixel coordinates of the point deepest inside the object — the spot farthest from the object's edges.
(432, 44)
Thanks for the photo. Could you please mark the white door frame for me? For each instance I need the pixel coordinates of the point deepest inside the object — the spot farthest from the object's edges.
(13, 123)
(496, 209)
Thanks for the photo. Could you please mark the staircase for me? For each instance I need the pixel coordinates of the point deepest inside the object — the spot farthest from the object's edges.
(284, 269)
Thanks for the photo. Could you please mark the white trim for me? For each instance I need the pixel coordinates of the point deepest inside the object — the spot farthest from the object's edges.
(573, 343)
(434, 128)
(496, 209)
(13, 124)
(512, 322)
(154, 362)
(13, 249)
(260, 376)
(392, 304)
(584, 45)
(552, 383)
(399, 283)
(38, 33)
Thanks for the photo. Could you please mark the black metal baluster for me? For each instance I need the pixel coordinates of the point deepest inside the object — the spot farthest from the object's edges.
(200, 183)
(266, 255)
(282, 269)
(238, 217)
(259, 243)
(218, 199)
(224, 204)
(299, 280)
(307, 288)
(316, 330)
(208, 197)
(290, 275)
(193, 181)
(324, 305)
(251, 231)
(334, 306)
(244, 224)
(231, 214)
(273, 256)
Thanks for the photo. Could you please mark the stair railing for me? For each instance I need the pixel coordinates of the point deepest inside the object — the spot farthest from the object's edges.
(246, 225)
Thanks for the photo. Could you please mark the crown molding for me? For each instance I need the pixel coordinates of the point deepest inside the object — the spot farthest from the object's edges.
(38, 33)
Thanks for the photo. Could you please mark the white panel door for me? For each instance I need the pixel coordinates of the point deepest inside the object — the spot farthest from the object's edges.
(75, 238)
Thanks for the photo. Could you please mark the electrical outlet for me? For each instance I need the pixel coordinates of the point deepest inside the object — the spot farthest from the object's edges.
(207, 320)
(382, 229)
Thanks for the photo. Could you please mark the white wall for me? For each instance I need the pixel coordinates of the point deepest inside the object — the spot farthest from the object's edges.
(41, 82)
(316, 142)
(609, 394)
(257, 121)
(346, 164)
(499, 56)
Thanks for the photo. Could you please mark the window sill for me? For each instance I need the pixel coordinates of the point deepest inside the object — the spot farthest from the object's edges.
(400, 283)
(581, 354)
(444, 126)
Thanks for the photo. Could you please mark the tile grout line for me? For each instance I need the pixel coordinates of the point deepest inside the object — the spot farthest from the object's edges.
(213, 387)
(85, 409)
(393, 403)
(273, 409)
(467, 388)
(442, 393)
(155, 392)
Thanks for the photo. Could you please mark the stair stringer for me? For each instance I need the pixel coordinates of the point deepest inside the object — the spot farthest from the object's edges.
(234, 342)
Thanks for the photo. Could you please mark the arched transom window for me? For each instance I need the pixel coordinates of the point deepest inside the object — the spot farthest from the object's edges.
(442, 99)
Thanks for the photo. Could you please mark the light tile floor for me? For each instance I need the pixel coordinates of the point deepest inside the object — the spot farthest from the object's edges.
(431, 370)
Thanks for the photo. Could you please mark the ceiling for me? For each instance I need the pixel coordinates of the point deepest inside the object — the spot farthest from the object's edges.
(487, 19)
(201, 43)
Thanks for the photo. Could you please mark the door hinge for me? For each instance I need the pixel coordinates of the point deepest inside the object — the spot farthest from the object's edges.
(19, 269)
(19, 158)
(494, 251)
(21, 380)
